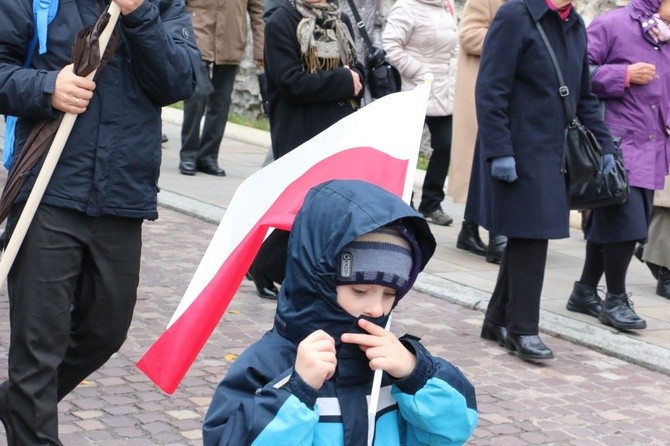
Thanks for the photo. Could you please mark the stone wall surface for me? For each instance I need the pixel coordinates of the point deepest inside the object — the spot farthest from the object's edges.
(246, 95)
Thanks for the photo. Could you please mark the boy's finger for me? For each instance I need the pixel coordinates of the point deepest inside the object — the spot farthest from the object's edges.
(361, 339)
(371, 327)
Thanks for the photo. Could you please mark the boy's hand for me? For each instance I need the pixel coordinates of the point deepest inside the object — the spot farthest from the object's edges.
(315, 360)
(383, 349)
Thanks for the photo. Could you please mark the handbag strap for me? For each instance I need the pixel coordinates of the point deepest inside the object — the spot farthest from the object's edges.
(360, 24)
(563, 89)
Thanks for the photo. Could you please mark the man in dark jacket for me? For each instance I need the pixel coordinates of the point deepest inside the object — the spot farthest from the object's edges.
(73, 286)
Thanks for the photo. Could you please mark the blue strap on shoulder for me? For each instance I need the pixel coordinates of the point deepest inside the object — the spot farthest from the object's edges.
(44, 12)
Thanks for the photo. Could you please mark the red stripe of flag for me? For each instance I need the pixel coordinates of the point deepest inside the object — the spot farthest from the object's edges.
(169, 358)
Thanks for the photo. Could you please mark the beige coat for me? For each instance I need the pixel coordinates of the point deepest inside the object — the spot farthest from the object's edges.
(662, 197)
(221, 28)
(477, 15)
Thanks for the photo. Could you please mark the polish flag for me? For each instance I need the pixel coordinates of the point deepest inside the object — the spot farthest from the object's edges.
(379, 144)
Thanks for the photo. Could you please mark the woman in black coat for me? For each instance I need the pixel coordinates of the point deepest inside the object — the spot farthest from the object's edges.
(313, 81)
(517, 177)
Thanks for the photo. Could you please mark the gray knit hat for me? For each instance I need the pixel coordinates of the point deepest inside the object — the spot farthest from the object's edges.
(383, 257)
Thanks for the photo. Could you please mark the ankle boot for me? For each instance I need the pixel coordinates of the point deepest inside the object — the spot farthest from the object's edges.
(469, 240)
(617, 311)
(497, 245)
(584, 299)
(528, 347)
(663, 285)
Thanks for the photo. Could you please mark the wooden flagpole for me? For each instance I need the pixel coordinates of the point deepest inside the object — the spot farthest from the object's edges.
(50, 161)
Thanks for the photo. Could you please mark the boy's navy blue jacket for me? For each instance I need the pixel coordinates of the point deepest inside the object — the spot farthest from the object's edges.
(111, 162)
(262, 402)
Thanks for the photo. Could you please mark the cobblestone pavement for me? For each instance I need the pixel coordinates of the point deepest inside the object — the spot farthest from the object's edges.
(581, 398)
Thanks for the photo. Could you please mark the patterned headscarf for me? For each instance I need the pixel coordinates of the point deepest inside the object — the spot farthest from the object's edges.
(325, 41)
(653, 26)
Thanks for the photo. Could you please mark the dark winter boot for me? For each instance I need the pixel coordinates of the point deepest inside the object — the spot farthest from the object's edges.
(663, 285)
(617, 311)
(469, 240)
(497, 245)
(584, 299)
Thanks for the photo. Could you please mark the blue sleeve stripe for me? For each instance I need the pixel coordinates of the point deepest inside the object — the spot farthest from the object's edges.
(437, 411)
(294, 417)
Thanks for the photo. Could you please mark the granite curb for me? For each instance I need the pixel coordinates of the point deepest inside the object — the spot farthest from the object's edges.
(604, 340)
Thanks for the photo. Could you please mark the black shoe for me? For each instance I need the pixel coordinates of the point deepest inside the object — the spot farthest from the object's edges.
(493, 332)
(469, 240)
(497, 245)
(187, 167)
(528, 347)
(211, 169)
(584, 299)
(663, 285)
(265, 288)
(617, 311)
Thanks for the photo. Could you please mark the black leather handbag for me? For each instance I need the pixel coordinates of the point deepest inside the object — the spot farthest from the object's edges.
(582, 154)
(382, 78)
(604, 190)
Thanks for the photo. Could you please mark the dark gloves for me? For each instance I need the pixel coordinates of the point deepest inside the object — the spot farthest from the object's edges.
(608, 163)
(504, 168)
(375, 57)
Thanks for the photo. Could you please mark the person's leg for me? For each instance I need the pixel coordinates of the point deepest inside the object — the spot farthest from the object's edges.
(269, 265)
(105, 298)
(216, 117)
(584, 297)
(656, 253)
(194, 109)
(41, 284)
(527, 259)
(617, 310)
(436, 172)
(495, 320)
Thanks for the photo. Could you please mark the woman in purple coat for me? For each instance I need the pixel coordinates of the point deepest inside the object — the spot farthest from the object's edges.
(631, 54)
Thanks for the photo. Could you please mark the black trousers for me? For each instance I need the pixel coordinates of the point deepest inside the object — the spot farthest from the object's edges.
(515, 302)
(203, 148)
(270, 262)
(72, 291)
(432, 192)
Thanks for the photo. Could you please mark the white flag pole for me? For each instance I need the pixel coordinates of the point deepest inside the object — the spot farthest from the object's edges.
(50, 161)
(374, 395)
(377, 377)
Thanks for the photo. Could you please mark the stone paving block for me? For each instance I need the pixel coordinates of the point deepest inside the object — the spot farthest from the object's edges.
(183, 414)
(560, 403)
(88, 414)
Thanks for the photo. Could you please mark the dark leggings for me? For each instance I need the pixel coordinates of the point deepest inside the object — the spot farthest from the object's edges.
(612, 259)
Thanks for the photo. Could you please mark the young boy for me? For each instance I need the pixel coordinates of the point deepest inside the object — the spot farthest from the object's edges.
(354, 251)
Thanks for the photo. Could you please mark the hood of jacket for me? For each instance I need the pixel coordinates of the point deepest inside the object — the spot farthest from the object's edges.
(333, 214)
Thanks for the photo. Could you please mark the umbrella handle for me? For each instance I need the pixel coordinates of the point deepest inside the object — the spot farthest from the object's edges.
(50, 161)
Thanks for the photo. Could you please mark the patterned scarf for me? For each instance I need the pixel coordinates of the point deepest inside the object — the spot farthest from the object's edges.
(653, 26)
(325, 41)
